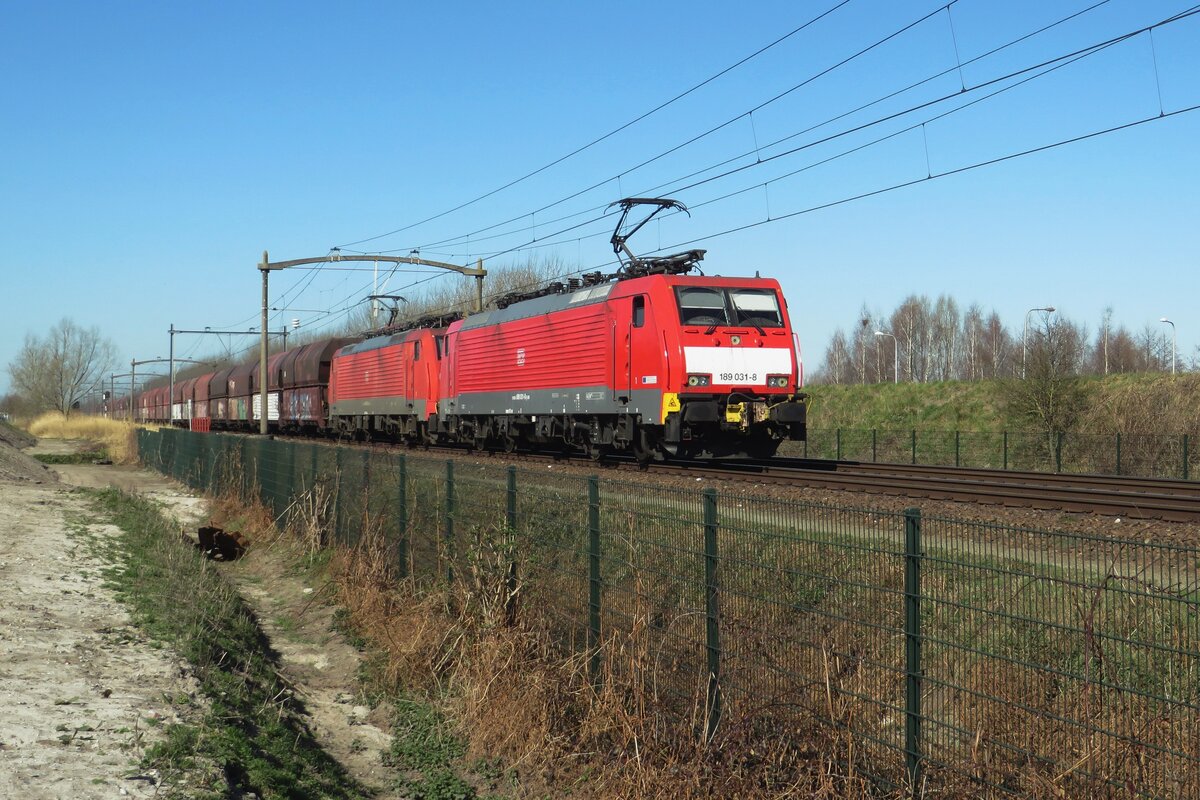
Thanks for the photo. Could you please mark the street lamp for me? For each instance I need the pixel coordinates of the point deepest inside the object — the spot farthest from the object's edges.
(1174, 342)
(1025, 334)
(895, 354)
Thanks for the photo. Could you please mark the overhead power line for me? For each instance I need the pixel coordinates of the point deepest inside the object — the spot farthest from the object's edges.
(1055, 64)
(758, 107)
(1046, 66)
(474, 236)
(611, 133)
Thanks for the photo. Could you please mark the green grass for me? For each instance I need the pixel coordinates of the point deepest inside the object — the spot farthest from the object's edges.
(431, 757)
(1110, 403)
(947, 405)
(82, 457)
(252, 737)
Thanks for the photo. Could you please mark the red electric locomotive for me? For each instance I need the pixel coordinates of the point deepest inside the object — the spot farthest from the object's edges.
(659, 364)
(387, 385)
(655, 363)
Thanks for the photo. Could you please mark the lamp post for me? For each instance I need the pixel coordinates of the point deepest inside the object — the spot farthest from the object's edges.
(895, 354)
(1174, 342)
(1025, 334)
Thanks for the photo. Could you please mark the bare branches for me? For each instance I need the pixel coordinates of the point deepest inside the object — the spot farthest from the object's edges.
(57, 372)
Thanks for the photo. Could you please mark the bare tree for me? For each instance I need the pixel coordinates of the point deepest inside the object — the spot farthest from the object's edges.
(997, 348)
(836, 367)
(910, 323)
(944, 338)
(58, 371)
(1050, 395)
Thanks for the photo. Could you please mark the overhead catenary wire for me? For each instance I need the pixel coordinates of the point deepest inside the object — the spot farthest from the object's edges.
(611, 133)
(749, 112)
(929, 175)
(903, 185)
(1047, 65)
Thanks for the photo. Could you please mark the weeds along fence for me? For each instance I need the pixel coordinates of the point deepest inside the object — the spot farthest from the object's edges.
(928, 655)
(1149, 455)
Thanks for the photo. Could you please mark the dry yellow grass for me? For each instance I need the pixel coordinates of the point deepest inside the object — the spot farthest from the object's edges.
(116, 436)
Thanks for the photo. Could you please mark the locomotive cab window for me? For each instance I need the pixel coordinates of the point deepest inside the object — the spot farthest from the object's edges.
(701, 305)
(639, 311)
(756, 307)
(417, 350)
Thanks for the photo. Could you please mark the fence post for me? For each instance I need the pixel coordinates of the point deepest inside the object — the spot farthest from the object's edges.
(1058, 439)
(1118, 454)
(912, 647)
(593, 634)
(337, 493)
(245, 470)
(1185, 456)
(402, 513)
(292, 484)
(448, 521)
(914, 445)
(957, 462)
(1006, 449)
(839, 444)
(712, 613)
(510, 577)
(366, 477)
(874, 446)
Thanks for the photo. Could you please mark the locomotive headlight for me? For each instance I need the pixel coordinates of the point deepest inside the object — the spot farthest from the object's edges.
(699, 380)
(777, 381)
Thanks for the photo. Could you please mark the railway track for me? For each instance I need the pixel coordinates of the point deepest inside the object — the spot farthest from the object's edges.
(1123, 496)
(1135, 498)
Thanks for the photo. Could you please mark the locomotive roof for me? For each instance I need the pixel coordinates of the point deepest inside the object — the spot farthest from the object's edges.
(596, 294)
(540, 305)
(377, 342)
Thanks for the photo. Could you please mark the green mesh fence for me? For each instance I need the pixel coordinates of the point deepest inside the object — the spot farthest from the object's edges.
(967, 658)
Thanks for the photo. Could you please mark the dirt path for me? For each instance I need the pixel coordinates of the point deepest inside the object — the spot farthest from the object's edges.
(83, 693)
(318, 660)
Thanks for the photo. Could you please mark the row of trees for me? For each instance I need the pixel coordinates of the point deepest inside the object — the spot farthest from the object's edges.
(935, 340)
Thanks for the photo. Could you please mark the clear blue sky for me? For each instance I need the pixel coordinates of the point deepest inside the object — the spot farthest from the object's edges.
(152, 151)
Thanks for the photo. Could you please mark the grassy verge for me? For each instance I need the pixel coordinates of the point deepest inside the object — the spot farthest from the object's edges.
(431, 757)
(113, 436)
(253, 737)
(88, 456)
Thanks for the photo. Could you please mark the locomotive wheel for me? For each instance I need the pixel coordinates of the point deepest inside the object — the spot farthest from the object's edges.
(643, 451)
(762, 447)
